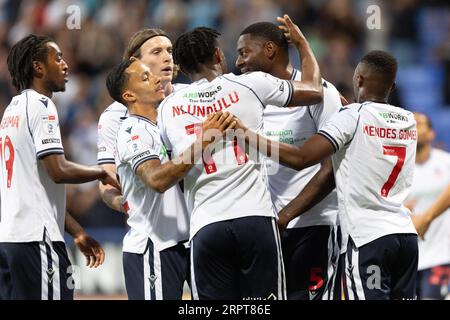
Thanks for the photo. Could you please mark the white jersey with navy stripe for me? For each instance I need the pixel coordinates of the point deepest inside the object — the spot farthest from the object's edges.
(294, 126)
(30, 200)
(430, 178)
(375, 147)
(228, 185)
(162, 217)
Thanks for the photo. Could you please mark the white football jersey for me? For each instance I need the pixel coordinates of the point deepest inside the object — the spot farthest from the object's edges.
(162, 217)
(228, 184)
(294, 126)
(374, 163)
(31, 202)
(430, 179)
(108, 126)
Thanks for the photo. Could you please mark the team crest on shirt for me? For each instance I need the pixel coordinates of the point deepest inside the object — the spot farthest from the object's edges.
(135, 144)
(152, 279)
(49, 124)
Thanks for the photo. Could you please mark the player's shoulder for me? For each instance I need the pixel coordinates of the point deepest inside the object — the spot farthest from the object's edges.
(244, 76)
(115, 111)
(178, 93)
(179, 86)
(113, 108)
(135, 127)
(35, 99)
(352, 108)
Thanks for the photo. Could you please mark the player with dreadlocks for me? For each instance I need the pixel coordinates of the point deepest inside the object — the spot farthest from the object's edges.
(33, 257)
(235, 244)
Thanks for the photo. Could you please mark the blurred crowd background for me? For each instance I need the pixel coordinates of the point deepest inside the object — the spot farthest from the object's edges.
(416, 32)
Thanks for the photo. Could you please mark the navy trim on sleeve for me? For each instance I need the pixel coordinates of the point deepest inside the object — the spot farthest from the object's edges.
(106, 160)
(141, 161)
(43, 153)
(330, 138)
(291, 94)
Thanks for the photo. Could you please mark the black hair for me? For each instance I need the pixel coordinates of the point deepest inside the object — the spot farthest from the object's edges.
(383, 63)
(117, 80)
(20, 59)
(194, 48)
(268, 31)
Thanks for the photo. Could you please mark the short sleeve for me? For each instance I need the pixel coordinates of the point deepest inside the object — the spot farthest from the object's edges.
(137, 146)
(330, 105)
(44, 127)
(269, 89)
(108, 126)
(341, 127)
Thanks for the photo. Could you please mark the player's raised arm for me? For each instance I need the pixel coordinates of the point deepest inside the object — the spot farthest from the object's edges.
(309, 90)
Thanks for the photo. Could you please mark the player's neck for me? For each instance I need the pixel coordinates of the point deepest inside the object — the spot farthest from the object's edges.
(373, 98)
(209, 72)
(40, 88)
(282, 71)
(147, 111)
(168, 88)
(423, 153)
(372, 94)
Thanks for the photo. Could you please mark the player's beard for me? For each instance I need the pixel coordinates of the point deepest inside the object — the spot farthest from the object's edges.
(56, 87)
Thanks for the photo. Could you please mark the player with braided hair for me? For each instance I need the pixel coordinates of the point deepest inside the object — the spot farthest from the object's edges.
(235, 244)
(33, 257)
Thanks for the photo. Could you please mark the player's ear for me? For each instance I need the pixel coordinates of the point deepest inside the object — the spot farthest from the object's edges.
(359, 81)
(217, 56)
(38, 69)
(128, 96)
(270, 49)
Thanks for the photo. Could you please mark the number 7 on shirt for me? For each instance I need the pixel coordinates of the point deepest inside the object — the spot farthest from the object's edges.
(400, 153)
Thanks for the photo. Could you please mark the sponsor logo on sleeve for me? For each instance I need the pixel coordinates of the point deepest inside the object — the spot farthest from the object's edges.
(51, 140)
(135, 144)
(50, 124)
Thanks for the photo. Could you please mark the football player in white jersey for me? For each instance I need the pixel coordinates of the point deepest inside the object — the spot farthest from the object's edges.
(310, 246)
(157, 267)
(154, 48)
(34, 261)
(235, 247)
(431, 176)
(373, 147)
